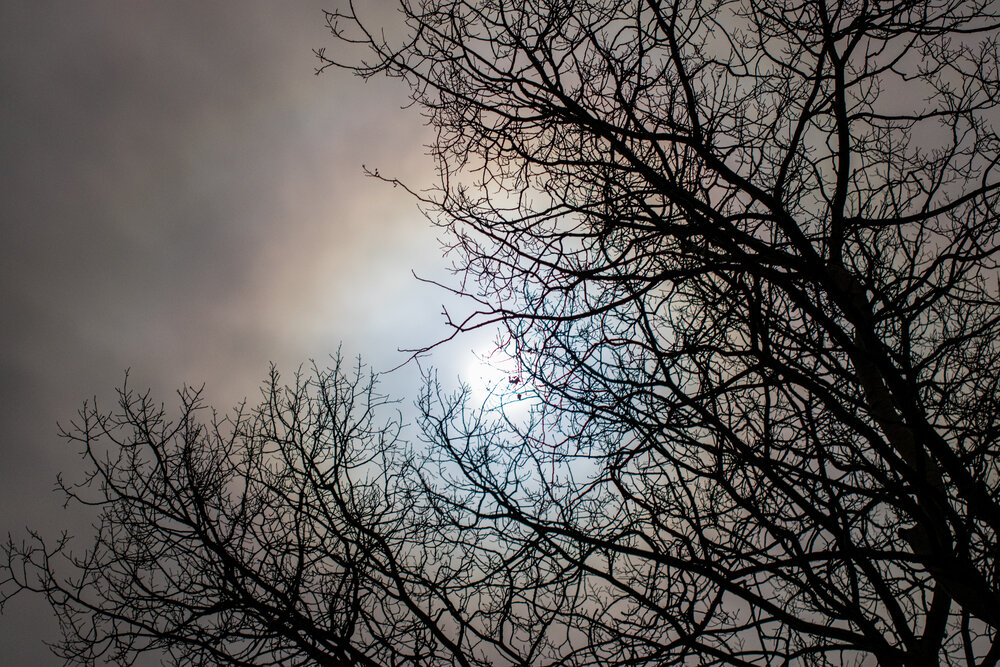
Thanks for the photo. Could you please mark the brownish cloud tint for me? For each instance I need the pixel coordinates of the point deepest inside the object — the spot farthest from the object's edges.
(182, 196)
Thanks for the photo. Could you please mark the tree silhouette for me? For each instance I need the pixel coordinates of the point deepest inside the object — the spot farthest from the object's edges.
(279, 535)
(744, 256)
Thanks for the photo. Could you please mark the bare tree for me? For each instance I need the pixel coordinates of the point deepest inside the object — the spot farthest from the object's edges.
(280, 535)
(745, 256)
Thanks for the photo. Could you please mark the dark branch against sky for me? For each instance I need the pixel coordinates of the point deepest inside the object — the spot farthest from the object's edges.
(182, 196)
(749, 307)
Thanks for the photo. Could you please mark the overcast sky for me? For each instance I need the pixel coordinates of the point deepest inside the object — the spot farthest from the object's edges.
(182, 196)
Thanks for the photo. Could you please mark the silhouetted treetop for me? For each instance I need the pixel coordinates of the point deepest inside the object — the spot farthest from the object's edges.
(747, 255)
(743, 257)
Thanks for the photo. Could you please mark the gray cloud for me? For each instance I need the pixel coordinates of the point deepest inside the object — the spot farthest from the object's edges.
(183, 197)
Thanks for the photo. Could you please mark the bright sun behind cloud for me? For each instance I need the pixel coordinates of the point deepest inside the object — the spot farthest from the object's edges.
(496, 380)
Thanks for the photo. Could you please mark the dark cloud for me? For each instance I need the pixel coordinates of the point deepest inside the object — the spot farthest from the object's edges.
(183, 197)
